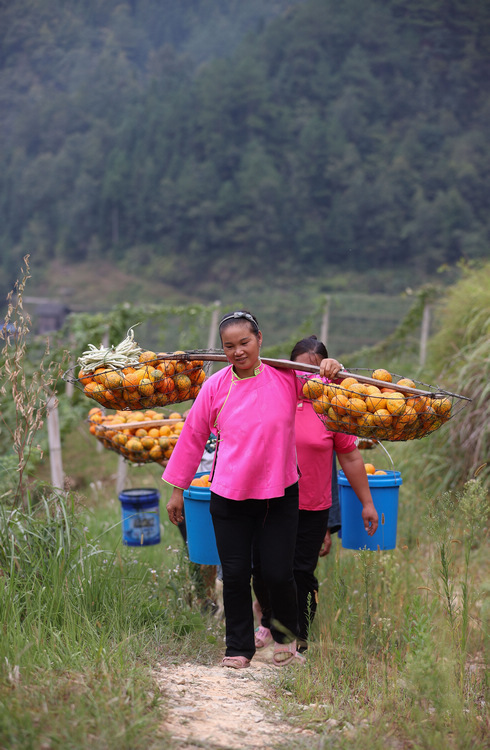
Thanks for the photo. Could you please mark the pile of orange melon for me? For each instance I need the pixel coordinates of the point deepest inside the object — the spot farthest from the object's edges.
(142, 442)
(152, 382)
(379, 411)
(202, 481)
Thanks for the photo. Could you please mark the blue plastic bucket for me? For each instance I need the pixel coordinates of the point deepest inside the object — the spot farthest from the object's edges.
(140, 516)
(201, 541)
(384, 491)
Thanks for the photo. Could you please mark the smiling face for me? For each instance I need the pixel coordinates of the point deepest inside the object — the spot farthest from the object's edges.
(241, 344)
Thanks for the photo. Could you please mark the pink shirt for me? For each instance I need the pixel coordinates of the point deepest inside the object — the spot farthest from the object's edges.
(254, 420)
(315, 446)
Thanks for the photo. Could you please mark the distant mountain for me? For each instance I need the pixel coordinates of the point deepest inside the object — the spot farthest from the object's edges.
(221, 140)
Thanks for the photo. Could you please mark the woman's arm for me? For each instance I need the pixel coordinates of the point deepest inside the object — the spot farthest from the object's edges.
(353, 468)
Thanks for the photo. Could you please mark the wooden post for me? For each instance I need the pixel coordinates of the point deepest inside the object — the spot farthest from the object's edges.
(57, 476)
(325, 321)
(208, 367)
(122, 471)
(424, 333)
(69, 387)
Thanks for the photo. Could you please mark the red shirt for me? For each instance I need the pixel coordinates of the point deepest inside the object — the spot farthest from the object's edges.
(315, 445)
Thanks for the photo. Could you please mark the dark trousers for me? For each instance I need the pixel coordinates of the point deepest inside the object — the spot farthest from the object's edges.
(272, 526)
(312, 527)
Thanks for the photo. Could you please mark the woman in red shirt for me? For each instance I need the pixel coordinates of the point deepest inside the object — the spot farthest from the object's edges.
(315, 446)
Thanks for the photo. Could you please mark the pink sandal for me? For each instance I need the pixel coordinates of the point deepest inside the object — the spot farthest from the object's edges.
(289, 652)
(263, 637)
(235, 662)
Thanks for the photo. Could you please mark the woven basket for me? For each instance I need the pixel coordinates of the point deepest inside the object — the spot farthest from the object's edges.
(391, 410)
(151, 384)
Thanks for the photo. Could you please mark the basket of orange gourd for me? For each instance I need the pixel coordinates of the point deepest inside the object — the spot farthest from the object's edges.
(127, 377)
(379, 405)
(140, 437)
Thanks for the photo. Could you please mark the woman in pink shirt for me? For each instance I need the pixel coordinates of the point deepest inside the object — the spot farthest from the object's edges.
(254, 482)
(315, 447)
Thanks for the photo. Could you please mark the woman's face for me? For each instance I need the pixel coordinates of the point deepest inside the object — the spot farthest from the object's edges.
(309, 358)
(242, 347)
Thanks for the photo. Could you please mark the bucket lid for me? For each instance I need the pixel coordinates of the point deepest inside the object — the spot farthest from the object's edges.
(390, 479)
(140, 494)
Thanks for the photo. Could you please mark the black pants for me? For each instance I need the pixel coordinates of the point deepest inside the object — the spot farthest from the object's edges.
(312, 527)
(271, 525)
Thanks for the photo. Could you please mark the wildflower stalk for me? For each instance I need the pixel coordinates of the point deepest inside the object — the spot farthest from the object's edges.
(23, 387)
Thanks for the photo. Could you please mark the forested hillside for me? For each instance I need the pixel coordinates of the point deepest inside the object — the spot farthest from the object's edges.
(183, 140)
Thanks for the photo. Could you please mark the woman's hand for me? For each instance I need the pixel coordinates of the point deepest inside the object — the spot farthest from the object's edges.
(175, 506)
(326, 544)
(370, 518)
(329, 368)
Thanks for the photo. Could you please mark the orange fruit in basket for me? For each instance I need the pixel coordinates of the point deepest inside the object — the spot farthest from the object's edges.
(357, 406)
(195, 373)
(120, 438)
(156, 453)
(370, 468)
(141, 432)
(382, 418)
(194, 390)
(147, 357)
(91, 387)
(175, 415)
(407, 382)
(147, 442)
(99, 373)
(442, 407)
(357, 389)
(347, 382)
(155, 375)
(375, 399)
(183, 385)
(382, 375)
(100, 394)
(84, 377)
(408, 417)
(366, 420)
(165, 385)
(113, 380)
(313, 388)
(340, 404)
(380, 472)
(164, 430)
(395, 403)
(134, 445)
(167, 367)
(146, 387)
(154, 432)
(417, 402)
(131, 381)
(321, 404)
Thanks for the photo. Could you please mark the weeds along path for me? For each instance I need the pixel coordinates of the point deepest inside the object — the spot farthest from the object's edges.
(216, 708)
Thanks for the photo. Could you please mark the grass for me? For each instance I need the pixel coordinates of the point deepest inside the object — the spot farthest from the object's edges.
(398, 652)
(398, 658)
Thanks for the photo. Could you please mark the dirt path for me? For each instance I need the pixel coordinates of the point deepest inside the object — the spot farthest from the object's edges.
(218, 708)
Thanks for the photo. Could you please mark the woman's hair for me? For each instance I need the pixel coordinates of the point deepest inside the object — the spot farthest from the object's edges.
(236, 317)
(310, 345)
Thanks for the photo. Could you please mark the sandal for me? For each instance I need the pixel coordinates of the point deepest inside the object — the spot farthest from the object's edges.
(263, 637)
(285, 653)
(235, 662)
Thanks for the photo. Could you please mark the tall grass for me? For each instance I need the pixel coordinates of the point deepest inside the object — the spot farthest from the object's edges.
(82, 624)
(398, 657)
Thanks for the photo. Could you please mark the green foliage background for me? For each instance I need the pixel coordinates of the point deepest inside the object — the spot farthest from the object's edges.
(211, 141)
